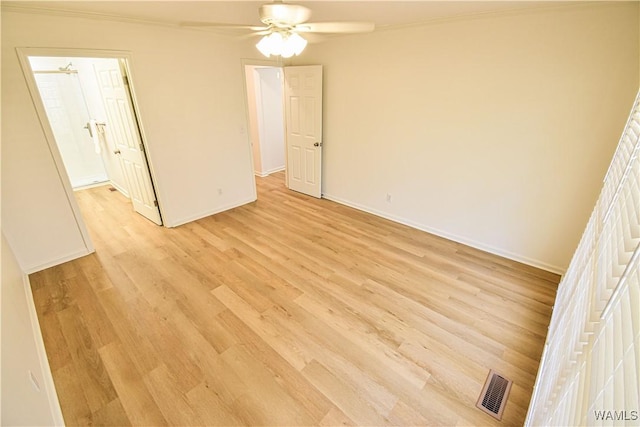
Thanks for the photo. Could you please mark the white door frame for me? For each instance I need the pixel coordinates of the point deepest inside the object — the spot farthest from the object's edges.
(274, 63)
(23, 56)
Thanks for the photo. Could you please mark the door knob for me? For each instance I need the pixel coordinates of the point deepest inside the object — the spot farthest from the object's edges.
(116, 152)
(318, 144)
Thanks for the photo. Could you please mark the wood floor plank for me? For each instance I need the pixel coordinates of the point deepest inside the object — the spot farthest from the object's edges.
(96, 321)
(57, 349)
(265, 402)
(340, 355)
(210, 408)
(133, 338)
(404, 415)
(172, 403)
(90, 369)
(336, 417)
(112, 414)
(368, 342)
(287, 311)
(314, 402)
(132, 391)
(163, 327)
(71, 395)
(284, 345)
(347, 397)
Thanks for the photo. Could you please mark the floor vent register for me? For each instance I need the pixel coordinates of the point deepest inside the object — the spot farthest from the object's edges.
(493, 397)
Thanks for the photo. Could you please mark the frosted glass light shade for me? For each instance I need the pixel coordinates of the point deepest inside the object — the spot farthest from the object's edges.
(297, 43)
(277, 44)
(263, 46)
(271, 44)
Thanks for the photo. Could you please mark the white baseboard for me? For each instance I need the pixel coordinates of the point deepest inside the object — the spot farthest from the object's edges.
(92, 185)
(269, 172)
(70, 257)
(120, 189)
(274, 170)
(459, 239)
(196, 217)
(49, 387)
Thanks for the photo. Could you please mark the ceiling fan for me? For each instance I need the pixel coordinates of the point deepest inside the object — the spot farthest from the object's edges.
(283, 25)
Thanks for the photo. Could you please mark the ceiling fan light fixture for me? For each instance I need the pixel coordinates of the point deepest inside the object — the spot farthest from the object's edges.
(271, 44)
(263, 46)
(297, 42)
(287, 49)
(286, 46)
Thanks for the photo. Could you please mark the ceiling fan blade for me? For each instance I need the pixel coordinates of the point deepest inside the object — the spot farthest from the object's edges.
(254, 34)
(336, 27)
(314, 37)
(223, 25)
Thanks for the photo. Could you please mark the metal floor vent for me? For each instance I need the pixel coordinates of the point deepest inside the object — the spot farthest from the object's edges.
(493, 397)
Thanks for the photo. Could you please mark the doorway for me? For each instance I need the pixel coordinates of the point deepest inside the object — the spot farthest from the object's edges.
(67, 90)
(86, 108)
(265, 108)
(284, 112)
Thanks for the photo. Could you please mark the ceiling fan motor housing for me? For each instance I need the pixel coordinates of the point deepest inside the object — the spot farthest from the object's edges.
(283, 15)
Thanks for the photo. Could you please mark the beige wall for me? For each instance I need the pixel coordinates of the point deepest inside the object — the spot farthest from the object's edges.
(23, 354)
(494, 131)
(189, 87)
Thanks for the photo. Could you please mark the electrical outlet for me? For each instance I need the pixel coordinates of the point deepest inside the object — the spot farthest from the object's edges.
(219, 191)
(388, 198)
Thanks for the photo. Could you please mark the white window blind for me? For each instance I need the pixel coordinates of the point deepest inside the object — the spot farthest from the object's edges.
(590, 369)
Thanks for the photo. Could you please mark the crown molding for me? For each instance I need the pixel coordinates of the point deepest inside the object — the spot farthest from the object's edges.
(39, 10)
(15, 7)
(540, 7)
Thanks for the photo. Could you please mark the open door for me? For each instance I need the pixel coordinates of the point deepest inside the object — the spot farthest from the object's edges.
(122, 128)
(303, 121)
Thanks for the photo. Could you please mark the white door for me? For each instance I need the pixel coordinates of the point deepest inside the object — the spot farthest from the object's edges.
(122, 128)
(303, 121)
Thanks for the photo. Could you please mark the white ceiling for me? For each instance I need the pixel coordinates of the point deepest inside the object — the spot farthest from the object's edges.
(382, 13)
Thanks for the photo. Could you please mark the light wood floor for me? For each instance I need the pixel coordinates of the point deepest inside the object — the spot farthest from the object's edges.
(287, 311)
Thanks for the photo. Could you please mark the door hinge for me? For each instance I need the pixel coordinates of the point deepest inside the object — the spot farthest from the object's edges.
(125, 79)
(141, 147)
(155, 203)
